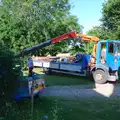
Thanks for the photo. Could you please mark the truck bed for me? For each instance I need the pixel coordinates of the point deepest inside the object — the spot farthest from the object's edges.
(65, 67)
(58, 65)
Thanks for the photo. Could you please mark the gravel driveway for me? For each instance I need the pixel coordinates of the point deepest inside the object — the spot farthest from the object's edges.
(89, 91)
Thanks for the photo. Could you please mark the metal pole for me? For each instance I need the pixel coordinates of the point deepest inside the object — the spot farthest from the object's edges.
(32, 97)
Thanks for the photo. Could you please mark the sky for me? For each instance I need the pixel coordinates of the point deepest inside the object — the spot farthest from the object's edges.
(88, 12)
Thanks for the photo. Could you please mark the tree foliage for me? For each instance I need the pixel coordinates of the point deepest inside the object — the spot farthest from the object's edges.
(111, 14)
(24, 24)
(111, 18)
(95, 31)
(9, 74)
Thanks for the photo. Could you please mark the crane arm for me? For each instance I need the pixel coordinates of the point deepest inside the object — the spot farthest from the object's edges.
(74, 35)
(57, 39)
(87, 38)
(64, 36)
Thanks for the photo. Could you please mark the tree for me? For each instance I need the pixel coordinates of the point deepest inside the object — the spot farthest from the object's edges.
(95, 31)
(100, 32)
(24, 24)
(111, 14)
(9, 75)
(111, 18)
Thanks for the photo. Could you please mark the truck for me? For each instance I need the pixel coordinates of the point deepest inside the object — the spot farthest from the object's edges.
(103, 64)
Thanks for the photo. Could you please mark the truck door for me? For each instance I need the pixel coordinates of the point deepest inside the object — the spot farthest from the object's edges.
(110, 56)
(117, 55)
(103, 53)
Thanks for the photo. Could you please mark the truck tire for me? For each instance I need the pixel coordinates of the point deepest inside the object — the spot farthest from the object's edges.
(100, 77)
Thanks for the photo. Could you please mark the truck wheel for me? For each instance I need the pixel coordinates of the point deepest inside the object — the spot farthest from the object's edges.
(100, 77)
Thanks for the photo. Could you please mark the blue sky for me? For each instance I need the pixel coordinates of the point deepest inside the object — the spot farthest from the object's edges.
(87, 11)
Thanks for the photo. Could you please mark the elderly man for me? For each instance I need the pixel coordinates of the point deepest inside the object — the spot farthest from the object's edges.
(30, 66)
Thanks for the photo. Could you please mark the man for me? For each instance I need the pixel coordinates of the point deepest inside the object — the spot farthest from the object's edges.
(103, 54)
(30, 66)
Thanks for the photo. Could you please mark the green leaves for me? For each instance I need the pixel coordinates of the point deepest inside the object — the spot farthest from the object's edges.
(9, 74)
(111, 14)
(111, 18)
(27, 23)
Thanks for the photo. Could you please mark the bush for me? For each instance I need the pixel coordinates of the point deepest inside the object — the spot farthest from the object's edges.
(9, 74)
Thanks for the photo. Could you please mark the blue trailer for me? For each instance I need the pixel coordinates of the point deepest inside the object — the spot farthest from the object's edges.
(24, 86)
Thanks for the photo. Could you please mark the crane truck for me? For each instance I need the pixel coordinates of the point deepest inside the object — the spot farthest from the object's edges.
(92, 64)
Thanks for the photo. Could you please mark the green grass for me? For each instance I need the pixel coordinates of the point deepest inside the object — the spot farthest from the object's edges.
(63, 79)
(61, 109)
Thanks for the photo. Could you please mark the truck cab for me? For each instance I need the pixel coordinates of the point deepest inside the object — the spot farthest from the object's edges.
(107, 61)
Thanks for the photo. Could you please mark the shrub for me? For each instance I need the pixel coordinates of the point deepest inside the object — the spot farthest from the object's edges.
(9, 74)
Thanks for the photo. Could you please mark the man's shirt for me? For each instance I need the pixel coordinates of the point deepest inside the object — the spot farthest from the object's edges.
(30, 63)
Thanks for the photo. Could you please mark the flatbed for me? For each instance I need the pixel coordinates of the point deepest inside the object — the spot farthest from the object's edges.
(64, 67)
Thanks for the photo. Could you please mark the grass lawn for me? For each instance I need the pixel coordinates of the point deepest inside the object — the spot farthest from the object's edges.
(63, 79)
(53, 108)
(60, 79)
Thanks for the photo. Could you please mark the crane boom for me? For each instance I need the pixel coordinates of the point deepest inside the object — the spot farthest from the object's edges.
(64, 36)
(88, 38)
(57, 39)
